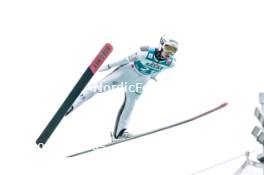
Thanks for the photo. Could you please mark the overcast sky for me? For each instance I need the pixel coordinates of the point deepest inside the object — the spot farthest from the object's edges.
(47, 45)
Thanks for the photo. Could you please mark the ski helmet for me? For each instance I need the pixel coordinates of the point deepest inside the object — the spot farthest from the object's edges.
(168, 45)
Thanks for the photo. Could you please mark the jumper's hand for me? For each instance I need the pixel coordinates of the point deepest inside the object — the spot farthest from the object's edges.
(154, 78)
(105, 68)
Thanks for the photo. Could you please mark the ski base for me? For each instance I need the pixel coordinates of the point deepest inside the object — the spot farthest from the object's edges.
(151, 132)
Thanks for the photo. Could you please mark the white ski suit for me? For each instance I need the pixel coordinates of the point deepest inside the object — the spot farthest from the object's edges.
(132, 73)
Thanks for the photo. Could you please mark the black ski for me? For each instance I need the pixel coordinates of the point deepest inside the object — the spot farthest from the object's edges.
(75, 92)
(151, 132)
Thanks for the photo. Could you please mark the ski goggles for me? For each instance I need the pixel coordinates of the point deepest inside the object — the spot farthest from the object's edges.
(169, 48)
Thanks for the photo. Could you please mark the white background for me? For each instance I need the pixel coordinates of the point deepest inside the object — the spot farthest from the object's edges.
(45, 46)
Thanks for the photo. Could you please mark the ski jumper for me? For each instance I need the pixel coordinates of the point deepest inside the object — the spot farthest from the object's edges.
(134, 72)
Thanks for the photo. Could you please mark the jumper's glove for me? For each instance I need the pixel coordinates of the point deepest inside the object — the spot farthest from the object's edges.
(115, 64)
(154, 78)
(105, 68)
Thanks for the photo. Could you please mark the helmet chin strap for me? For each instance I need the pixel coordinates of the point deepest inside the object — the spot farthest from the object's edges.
(158, 54)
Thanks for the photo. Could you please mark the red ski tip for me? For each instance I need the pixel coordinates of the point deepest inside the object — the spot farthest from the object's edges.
(109, 46)
(101, 57)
